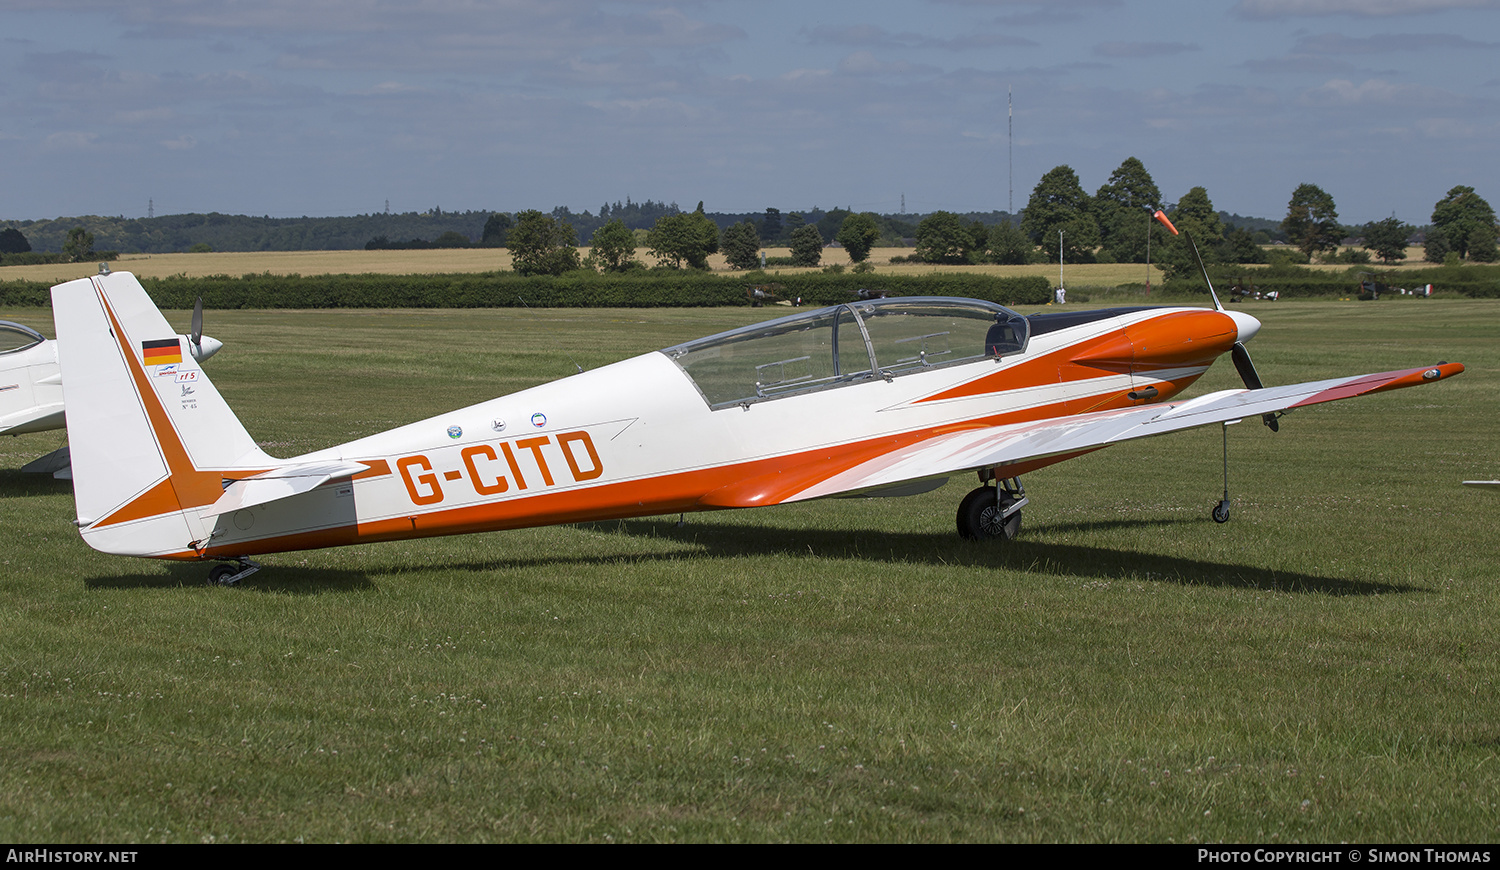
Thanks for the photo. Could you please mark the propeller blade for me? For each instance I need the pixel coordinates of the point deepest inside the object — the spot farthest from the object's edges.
(1246, 367)
(199, 345)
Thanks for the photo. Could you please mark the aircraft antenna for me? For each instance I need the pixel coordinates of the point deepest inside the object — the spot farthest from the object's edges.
(1218, 306)
(1010, 136)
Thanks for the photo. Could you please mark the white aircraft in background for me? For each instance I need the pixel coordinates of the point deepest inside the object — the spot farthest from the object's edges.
(31, 390)
(870, 398)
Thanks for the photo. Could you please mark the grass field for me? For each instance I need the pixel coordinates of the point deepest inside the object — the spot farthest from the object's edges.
(490, 259)
(1322, 668)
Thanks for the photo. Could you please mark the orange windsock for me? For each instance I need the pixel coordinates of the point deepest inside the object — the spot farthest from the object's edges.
(1164, 222)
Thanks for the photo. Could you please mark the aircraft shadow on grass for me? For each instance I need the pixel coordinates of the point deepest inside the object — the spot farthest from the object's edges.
(294, 580)
(730, 540)
(14, 484)
(724, 540)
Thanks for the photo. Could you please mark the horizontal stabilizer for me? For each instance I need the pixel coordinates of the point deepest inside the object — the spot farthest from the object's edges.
(280, 483)
(55, 463)
(35, 419)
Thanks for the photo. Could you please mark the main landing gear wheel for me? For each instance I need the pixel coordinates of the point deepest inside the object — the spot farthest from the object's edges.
(982, 515)
(228, 575)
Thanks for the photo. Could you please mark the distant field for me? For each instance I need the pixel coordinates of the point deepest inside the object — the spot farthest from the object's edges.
(1321, 669)
(490, 259)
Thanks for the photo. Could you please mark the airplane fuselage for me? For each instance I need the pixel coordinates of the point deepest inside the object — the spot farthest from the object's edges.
(640, 437)
(31, 397)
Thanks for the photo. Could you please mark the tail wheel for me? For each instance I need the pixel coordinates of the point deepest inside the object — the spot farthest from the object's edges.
(981, 516)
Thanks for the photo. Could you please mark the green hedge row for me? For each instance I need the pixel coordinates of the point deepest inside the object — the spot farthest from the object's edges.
(36, 258)
(572, 290)
(1480, 282)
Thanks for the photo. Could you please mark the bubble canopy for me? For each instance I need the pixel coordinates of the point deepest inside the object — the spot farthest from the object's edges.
(15, 338)
(832, 347)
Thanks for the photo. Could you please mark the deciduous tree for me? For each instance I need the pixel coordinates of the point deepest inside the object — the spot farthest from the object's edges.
(1312, 221)
(1058, 203)
(807, 246)
(80, 244)
(741, 245)
(859, 234)
(1387, 238)
(771, 227)
(1240, 247)
(1435, 249)
(943, 238)
(1196, 217)
(1009, 246)
(12, 241)
(542, 245)
(1458, 215)
(613, 247)
(1120, 209)
(684, 239)
(1482, 245)
(493, 235)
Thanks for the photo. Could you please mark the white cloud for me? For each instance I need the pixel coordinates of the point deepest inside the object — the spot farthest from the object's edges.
(864, 63)
(72, 140)
(1373, 93)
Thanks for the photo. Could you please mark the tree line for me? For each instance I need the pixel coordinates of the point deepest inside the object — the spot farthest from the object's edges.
(1061, 220)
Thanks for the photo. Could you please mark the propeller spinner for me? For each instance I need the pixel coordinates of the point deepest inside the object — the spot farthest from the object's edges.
(199, 345)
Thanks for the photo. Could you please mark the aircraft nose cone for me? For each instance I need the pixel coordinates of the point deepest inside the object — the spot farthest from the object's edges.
(1243, 322)
(210, 346)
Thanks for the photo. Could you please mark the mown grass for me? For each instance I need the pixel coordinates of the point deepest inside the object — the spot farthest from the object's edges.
(1322, 668)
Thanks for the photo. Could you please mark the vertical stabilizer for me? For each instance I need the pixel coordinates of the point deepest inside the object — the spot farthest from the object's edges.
(150, 437)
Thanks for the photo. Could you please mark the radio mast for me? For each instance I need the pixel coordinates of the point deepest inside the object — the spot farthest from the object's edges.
(1010, 137)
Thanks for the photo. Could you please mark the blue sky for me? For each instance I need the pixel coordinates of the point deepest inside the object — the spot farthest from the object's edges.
(293, 107)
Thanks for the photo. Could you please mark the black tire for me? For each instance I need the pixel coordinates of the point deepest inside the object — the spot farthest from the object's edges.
(1221, 512)
(979, 516)
(221, 573)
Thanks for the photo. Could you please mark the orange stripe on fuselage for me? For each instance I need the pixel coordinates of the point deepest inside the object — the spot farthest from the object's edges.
(742, 484)
(1178, 339)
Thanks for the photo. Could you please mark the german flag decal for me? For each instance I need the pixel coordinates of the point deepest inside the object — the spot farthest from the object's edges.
(161, 352)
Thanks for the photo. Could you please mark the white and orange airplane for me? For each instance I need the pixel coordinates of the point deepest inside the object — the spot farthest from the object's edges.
(31, 391)
(870, 398)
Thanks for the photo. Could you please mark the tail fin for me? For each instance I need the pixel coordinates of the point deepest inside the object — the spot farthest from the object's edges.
(151, 438)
